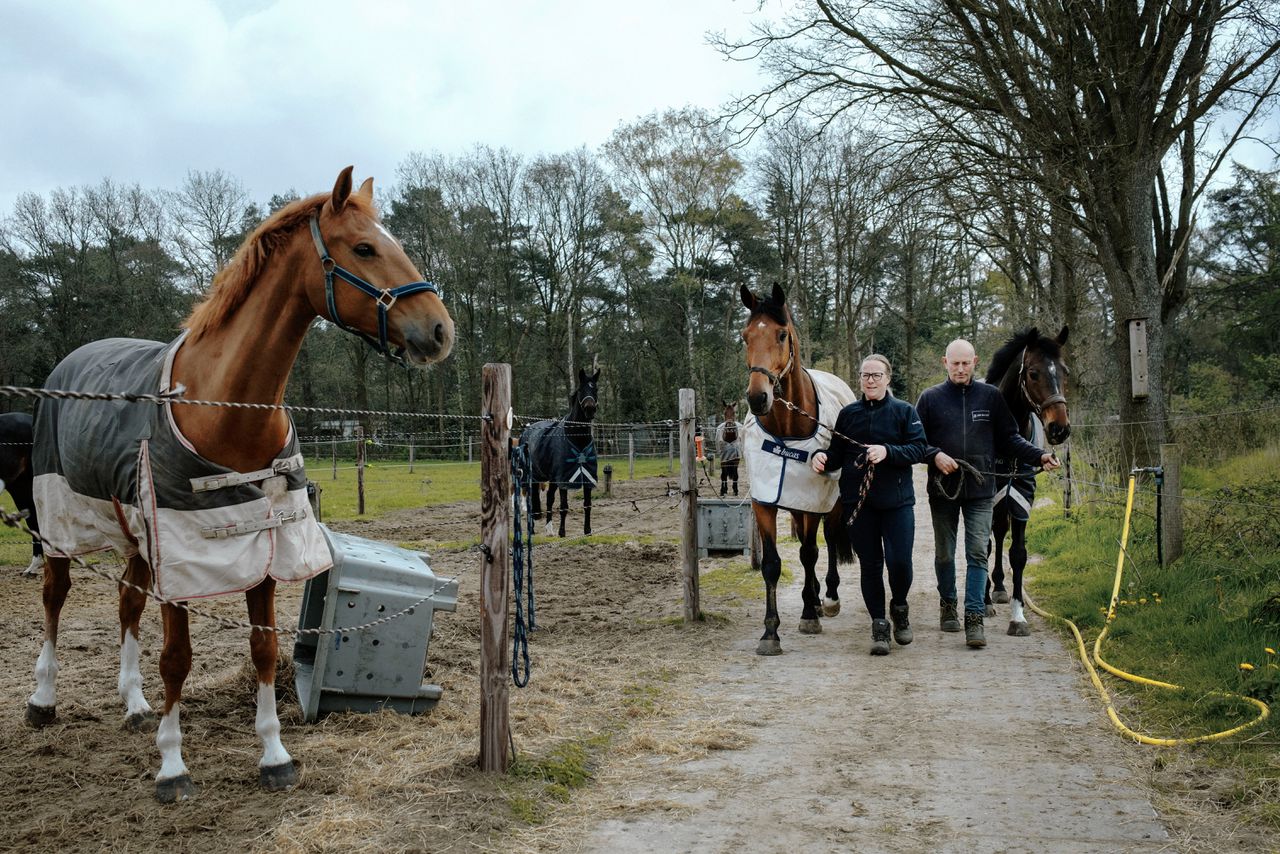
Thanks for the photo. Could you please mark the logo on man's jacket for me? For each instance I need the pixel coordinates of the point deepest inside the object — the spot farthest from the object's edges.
(778, 450)
(980, 415)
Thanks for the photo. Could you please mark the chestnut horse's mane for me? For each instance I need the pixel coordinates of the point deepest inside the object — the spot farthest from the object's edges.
(232, 283)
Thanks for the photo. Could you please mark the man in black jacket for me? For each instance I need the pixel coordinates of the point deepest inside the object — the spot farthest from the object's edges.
(967, 423)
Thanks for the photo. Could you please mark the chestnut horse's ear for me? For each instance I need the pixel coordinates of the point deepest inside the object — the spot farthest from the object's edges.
(342, 189)
(779, 295)
(748, 299)
(1062, 336)
(366, 189)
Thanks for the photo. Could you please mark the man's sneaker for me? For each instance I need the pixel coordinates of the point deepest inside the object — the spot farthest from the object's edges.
(974, 635)
(879, 637)
(948, 619)
(901, 624)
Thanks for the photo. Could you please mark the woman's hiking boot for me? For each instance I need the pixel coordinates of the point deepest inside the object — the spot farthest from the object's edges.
(948, 619)
(974, 635)
(879, 637)
(901, 624)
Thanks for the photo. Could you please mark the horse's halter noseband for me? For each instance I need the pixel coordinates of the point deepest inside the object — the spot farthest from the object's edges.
(384, 297)
(1038, 408)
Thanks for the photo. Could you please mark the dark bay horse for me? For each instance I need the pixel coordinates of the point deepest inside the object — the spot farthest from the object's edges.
(1032, 376)
(562, 453)
(15, 471)
(728, 449)
(777, 442)
(183, 490)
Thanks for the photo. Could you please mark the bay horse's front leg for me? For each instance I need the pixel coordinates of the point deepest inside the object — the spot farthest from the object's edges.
(771, 571)
(551, 504)
(133, 599)
(807, 528)
(586, 509)
(832, 531)
(564, 507)
(995, 592)
(42, 705)
(1018, 626)
(173, 781)
(275, 769)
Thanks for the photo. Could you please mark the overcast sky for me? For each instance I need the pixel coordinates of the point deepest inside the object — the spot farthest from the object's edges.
(283, 93)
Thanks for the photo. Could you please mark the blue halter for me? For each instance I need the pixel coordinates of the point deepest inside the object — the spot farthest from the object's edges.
(384, 297)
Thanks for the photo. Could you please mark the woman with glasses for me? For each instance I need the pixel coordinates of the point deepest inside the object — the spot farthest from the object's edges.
(882, 435)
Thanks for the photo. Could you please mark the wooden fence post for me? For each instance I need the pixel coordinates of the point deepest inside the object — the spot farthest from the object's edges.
(334, 445)
(688, 509)
(495, 573)
(631, 454)
(411, 454)
(360, 471)
(1171, 503)
(671, 452)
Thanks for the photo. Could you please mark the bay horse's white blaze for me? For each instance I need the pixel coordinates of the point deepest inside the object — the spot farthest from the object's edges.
(130, 682)
(268, 728)
(169, 741)
(46, 692)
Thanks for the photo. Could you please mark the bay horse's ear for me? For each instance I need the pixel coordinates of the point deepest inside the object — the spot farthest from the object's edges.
(748, 299)
(1062, 336)
(596, 375)
(1034, 333)
(582, 376)
(779, 295)
(342, 189)
(366, 189)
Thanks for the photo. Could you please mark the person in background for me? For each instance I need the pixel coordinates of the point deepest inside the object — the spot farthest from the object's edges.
(888, 431)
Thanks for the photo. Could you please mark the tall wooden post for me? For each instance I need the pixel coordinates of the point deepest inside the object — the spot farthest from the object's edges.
(688, 509)
(334, 445)
(411, 453)
(631, 455)
(495, 573)
(1066, 482)
(360, 471)
(1171, 503)
(671, 452)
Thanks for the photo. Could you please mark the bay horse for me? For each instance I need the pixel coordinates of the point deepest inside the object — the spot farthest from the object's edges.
(728, 449)
(207, 500)
(1032, 376)
(15, 472)
(562, 453)
(777, 443)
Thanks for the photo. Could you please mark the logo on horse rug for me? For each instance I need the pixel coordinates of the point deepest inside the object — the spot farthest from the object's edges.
(120, 475)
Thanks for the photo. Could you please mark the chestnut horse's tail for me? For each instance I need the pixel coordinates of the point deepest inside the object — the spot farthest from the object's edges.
(837, 535)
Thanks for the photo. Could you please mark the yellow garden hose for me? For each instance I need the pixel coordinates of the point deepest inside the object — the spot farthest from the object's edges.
(1263, 709)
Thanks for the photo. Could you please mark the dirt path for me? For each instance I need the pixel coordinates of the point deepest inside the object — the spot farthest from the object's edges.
(934, 748)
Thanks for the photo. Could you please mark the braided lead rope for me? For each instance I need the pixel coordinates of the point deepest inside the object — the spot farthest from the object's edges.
(962, 466)
(13, 520)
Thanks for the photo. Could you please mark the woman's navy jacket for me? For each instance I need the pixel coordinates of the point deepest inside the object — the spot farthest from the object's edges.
(890, 422)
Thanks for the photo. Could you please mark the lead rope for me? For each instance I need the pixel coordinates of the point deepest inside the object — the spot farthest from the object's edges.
(521, 562)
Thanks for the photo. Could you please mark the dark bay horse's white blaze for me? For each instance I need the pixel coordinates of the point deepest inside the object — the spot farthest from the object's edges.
(776, 445)
(325, 256)
(1032, 376)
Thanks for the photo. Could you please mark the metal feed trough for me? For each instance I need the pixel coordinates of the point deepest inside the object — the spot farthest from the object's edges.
(376, 667)
(724, 525)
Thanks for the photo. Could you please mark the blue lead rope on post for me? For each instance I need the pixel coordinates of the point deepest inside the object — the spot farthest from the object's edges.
(521, 562)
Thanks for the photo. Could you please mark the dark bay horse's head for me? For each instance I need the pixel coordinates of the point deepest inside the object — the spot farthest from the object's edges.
(1032, 373)
(584, 400)
(770, 344)
(730, 433)
(399, 309)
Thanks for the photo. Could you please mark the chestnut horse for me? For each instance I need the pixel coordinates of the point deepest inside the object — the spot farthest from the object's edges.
(240, 345)
(777, 442)
(1033, 380)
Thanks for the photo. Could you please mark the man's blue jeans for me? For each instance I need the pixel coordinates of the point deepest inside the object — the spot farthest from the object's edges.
(977, 531)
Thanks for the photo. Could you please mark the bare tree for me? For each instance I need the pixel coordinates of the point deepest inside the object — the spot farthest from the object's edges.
(208, 214)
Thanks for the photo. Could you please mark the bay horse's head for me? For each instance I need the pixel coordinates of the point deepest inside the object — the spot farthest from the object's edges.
(1030, 370)
(369, 286)
(730, 433)
(770, 339)
(584, 400)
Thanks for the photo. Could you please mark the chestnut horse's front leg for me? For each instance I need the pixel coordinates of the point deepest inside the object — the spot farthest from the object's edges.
(807, 529)
(771, 570)
(275, 768)
(133, 599)
(173, 781)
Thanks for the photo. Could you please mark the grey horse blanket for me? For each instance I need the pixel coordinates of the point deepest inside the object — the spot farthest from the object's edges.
(554, 459)
(120, 475)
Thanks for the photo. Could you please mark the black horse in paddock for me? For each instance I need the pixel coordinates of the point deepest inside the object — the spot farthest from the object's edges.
(15, 471)
(562, 453)
(1032, 376)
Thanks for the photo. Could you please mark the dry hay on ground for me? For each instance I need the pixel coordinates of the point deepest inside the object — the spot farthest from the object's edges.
(613, 679)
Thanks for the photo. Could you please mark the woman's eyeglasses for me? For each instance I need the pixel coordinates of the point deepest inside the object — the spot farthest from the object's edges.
(876, 377)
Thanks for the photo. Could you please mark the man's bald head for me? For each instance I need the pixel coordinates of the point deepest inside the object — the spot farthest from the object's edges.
(961, 361)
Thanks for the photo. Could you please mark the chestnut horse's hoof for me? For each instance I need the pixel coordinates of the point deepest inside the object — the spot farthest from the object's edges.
(1019, 630)
(278, 777)
(1000, 597)
(41, 716)
(141, 721)
(769, 646)
(830, 607)
(991, 610)
(175, 789)
(810, 627)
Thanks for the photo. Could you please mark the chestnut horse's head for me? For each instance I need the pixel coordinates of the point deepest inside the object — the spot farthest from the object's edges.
(370, 286)
(771, 346)
(1033, 375)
